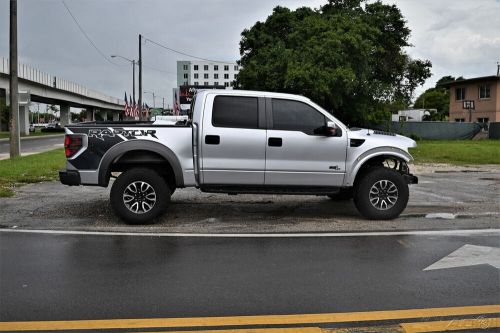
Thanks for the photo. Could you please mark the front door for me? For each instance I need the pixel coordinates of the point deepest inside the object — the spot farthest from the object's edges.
(295, 155)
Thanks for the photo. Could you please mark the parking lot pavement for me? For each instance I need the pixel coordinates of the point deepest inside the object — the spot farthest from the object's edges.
(445, 198)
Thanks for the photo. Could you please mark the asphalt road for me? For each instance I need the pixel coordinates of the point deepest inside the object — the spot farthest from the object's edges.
(47, 277)
(33, 145)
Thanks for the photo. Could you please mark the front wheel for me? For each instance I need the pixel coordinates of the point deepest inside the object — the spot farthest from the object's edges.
(381, 194)
(139, 195)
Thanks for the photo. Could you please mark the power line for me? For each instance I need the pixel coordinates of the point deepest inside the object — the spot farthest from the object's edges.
(87, 36)
(183, 53)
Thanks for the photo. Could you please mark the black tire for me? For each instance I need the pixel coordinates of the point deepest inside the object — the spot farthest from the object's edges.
(139, 207)
(371, 187)
(342, 195)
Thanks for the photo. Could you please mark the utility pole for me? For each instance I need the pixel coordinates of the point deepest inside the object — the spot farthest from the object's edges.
(15, 141)
(133, 79)
(140, 77)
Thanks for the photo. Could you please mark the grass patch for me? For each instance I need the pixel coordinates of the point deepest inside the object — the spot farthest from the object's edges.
(30, 169)
(6, 135)
(457, 152)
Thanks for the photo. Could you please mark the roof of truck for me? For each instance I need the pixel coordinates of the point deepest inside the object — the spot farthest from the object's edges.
(236, 92)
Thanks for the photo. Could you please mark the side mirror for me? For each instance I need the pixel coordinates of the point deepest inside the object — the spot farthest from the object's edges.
(332, 129)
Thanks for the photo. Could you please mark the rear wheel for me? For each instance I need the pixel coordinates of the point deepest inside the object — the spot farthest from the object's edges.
(139, 195)
(381, 194)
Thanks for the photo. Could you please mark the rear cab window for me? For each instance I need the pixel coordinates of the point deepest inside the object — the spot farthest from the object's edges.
(235, 112)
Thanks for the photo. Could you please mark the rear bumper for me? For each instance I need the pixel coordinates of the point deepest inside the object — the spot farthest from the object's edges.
(69, 177)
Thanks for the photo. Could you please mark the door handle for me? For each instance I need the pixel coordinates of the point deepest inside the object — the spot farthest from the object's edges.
(212, 139)
(275, 142)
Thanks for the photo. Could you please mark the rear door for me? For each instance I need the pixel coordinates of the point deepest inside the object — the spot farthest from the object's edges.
(295, 155)
(233, 143)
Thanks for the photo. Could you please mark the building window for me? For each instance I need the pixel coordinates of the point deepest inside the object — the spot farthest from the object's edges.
(195, 67)
(205, 67)
(236, 67)
(235, 76)
(236, 112)
(216, 76)
(185, 83)
(226, 67)
(226, 84)
(459, 120)
(205, 83)
(205, 76)
(483, 120)
(216, 67)
(226, 76)
(196, 83)
(216, 83)
(185, 75)
(185, 67)
(195, 75)
(484, 91)
(459, 94)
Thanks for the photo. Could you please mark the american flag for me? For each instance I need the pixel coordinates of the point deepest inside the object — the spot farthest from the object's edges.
(126, 106)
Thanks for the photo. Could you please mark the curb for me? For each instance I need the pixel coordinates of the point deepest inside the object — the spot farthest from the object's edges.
(35, 137)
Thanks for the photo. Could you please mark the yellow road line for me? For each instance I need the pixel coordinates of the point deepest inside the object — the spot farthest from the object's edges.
(257, 330)
(341, 317)
(452, 325)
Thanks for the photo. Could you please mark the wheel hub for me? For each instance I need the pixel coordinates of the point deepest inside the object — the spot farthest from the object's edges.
(139, 197)
(383, 194)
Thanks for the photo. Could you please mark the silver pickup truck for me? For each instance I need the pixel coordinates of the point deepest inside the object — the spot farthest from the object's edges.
(241, 142)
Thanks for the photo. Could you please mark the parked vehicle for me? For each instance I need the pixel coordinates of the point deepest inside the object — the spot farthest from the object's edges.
(53, 127)
(241, 142)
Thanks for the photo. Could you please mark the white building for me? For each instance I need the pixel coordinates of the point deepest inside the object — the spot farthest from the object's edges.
(206, 73)
(412, 114)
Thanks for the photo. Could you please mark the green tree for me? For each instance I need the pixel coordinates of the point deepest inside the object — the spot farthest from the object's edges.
(348, 56)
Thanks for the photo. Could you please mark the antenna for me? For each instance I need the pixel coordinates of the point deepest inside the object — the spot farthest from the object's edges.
(498, 68)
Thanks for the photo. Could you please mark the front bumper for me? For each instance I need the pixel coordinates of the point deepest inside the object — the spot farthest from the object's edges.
(70, 177)
(410, 179)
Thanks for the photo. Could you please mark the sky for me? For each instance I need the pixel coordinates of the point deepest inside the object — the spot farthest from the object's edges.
(459, 37)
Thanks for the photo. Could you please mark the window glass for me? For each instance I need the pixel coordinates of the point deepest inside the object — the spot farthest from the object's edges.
(296, 116)
(205, 67)
(235, 111)
(484, 91)
(459, 94)
(195, 67)
(216, 67)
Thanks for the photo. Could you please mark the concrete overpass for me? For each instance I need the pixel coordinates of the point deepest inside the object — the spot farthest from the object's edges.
(49, 89)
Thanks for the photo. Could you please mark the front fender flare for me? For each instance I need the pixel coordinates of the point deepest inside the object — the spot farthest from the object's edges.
(369, 154)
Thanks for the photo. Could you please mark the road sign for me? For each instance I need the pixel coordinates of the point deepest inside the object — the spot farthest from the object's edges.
(469, 104)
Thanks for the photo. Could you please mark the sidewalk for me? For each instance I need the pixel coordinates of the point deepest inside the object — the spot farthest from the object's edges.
(35, 137)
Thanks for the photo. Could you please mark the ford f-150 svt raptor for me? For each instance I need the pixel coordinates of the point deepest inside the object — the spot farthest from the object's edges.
(241, 142)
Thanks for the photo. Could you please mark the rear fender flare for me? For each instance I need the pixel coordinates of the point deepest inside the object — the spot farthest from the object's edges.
(121, 148)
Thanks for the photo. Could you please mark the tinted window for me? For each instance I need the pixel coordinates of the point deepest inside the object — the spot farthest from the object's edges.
(296, 116)
(233, 111)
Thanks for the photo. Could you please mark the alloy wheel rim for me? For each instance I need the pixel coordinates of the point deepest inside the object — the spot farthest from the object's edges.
(139, 197)
(383, 194)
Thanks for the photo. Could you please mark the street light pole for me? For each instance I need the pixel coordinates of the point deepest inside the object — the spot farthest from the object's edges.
(140, 77)
(133, 62)
(152, 93)
(15, 141)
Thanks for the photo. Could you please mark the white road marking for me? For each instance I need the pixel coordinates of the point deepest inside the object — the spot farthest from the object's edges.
(446, 216)
(487, 232)
(469, 255)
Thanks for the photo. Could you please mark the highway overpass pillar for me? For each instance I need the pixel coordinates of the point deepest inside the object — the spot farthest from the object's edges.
(90, 114)
(116, 116)
(65, 115)
(24, 120)
(104, 115)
